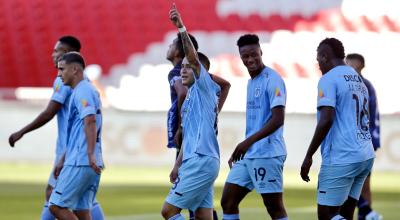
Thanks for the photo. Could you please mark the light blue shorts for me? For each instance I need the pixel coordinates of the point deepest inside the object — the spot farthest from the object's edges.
(76, 188)
(264, 174)
(337, 183)
(194, 187)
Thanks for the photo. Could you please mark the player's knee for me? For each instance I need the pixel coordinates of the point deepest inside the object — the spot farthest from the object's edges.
(166, 212)
(53, 209)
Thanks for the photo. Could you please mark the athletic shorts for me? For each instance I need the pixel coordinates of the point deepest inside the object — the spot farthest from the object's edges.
(76, 188)
(194, 186)
(337, 183)
(264, 174)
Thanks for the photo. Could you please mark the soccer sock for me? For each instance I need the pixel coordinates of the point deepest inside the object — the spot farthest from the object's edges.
(46, 214)
(215, 215)
(338, 217)
(191, 215)
(285, 218)
(177, 217)
(230, 217)
(363, 208)
(97, 212)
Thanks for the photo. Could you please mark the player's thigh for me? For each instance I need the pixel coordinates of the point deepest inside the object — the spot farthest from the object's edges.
(204, 214)
(364, 169)
(267, 174)
(239, 175)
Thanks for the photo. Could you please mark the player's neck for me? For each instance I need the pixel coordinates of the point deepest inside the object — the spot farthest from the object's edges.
(254, 74)
(76, 81)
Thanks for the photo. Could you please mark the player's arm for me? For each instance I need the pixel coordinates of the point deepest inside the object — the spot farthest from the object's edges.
(276, 121)
(45, 116)
(91, 134)
(178, 162)
(327, 116)
(188, 48)
(225, 86)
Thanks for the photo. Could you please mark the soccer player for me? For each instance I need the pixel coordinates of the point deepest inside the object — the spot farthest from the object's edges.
(258, 160)
(82, 162)
(197, 165)
(365, 211)
(58, 105)
(343, 133)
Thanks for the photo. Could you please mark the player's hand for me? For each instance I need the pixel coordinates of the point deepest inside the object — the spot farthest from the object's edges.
(93, 164)
(240, 151)
(178, 137)
(57, 169)
(305, 168)
(14, 138)
(230, 162)
(175, 17)
(174, 174)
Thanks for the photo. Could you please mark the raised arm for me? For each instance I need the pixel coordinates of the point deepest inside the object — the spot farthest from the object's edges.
(190, 51)
(225, 86)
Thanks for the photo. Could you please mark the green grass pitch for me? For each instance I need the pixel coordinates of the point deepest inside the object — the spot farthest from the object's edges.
(137, 193)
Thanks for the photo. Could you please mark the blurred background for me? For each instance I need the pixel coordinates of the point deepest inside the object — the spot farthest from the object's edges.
(125, 44)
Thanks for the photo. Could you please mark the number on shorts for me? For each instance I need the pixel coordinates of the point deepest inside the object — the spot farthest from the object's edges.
(176, 183)
(259, 172)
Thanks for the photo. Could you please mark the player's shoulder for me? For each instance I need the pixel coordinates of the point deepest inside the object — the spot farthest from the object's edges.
(271, 75)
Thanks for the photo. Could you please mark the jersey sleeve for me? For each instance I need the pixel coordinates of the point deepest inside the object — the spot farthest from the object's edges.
(85, 102)
(276, 92)
(60, 91)
(326, 93)
(204, 81)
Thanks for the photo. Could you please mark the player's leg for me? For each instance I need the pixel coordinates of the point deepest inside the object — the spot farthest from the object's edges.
(238, 184)
(329, 212)
(96, 211)
(171, 212)
(84, 215)
(267, 177)
(46, 214)
(204, 214)
(364, 169)
(62, 213)
(274, 204)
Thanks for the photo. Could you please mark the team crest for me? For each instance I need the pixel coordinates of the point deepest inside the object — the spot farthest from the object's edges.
(257, 92)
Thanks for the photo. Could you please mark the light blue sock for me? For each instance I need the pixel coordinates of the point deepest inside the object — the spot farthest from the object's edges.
(97, 212)
(338, 217)
(285, 218)
(177, 217)
(46, 214)
(230, 217)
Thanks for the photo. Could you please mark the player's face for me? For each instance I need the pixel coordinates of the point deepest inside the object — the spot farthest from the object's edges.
(172, 50)
(59, 50)
(356, 64)
(65, 71)
(322, 58)
(187, 73)
(251, 57)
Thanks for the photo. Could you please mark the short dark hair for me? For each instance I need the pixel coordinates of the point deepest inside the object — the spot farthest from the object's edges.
(73, 57)
(72, 42)
(356, 56)
(204, 60)
(248, 39)
(336, 46)
(180, 45)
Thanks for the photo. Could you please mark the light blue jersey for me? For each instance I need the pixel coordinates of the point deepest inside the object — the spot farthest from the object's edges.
(349, 139)
(199, 117)
(85, 101)
(264, 92)
(61, 94)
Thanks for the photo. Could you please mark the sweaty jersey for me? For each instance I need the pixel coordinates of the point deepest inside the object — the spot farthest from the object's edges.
(348, 140)
(264, 92)
(61, 94)
(85, 101)
(173, 113)
(199, 117)
(374, 127)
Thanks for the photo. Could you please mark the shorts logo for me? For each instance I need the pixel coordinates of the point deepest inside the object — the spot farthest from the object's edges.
(261, 185)
(257, 92)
